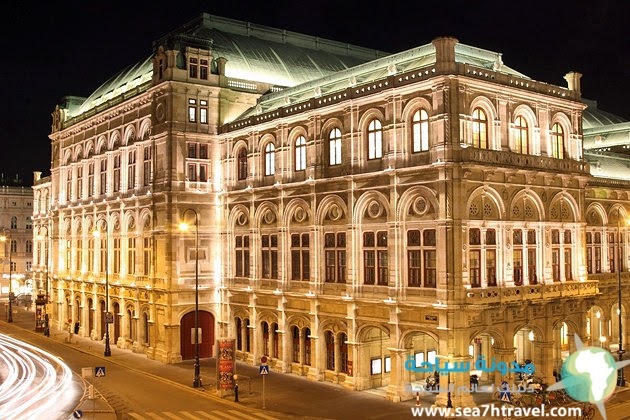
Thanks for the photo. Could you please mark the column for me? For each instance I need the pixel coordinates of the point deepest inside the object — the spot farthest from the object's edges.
(397, 390)
(543, 360)
(505, 355)
(458, 383)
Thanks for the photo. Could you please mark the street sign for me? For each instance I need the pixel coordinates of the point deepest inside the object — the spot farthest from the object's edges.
(109, 318)
(77, 414)
(263, 360)
(99, 371)
(264, 370)
(86, 372)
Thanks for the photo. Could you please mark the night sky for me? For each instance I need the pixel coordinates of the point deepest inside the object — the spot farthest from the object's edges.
(52, 49)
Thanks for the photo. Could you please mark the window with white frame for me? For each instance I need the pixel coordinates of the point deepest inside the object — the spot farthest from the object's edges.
(334, 146)
(192, 110)
(197, 162)
(300, 154)
(270, 157)
(79, 193)
(420, 131)
(203, 111)
(375, 266)
(375, 140)
(335, 257)
(482, 257)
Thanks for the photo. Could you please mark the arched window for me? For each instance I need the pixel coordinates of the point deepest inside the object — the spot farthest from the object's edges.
(242, 164)
(29, 246)
(29, 222)
(479, 129)
(420, 131)
(375, 140)
(14, 222)
(521, 135)
(145, 326)
(270, 161)
(343, 352)
(334, 145)
(300, 154)
(557, 141)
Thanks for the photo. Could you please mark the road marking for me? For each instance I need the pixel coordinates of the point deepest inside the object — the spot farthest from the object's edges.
(214, 415)
(173, 416)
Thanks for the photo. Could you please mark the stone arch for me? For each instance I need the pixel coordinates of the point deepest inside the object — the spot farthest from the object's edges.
(362, 125)
(67, 157)
(617, 212)
(485, 104)
(326, 209)
(78, 152)
(488, 203)
(267, 316)
(365, 200)
(299, 320)
(496, 334)
(333, 325)
(130, 135)
(266, 213)
(101, 145)
(529, 115)
(518, 206)
(239, 216)
(129, 221)
(297, 211)
(89, 149)
(595, 214)
(145, 129)
(114, 140)
(328, 125)
(561, 203)
(409, 202)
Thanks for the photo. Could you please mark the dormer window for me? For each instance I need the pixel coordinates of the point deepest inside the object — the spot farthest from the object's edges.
(203, 69)
(193, 67)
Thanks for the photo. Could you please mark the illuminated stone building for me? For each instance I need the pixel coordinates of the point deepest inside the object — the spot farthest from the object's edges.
(16, 225)
(357, 209)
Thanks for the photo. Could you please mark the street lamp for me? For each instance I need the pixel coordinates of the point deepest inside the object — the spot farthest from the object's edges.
(97, 234)
(5, 238)
(183, 226)
(620, 351)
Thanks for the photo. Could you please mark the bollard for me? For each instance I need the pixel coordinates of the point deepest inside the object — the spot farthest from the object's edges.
(417, 398)
(235, 392)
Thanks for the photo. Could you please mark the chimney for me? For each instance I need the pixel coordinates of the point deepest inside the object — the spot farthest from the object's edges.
(573, 81)
(221, 65)
(444, 49)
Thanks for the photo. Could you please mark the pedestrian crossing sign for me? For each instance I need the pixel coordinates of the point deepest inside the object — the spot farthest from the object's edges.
(99, 371)
(264, 369)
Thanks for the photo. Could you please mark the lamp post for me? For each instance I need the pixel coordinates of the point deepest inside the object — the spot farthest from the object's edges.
(183, 226)
(620, 351)
(97, 234)
(46, 295)
(5, 238)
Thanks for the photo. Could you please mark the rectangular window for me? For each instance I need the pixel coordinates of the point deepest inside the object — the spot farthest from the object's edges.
(91, 179)
(375, 266)
(117, 180)
(300, 263)
(103, 175)
(146, 167)
(193, 67)
(192, 172)
(78, 258)
(491, 267)
(131, 255)
(335, 257)
(90, 258)
(192, 110)
(203, 173)
(79, 182)
(203, 112)
(475, 268)
(203, 69)
(103, 260)
(568, 275)
(242, 256)
(146, 256)
(131, 170)
(555, 264)
(116, 256)
(269, 249)
(517, 257)
(203, 151)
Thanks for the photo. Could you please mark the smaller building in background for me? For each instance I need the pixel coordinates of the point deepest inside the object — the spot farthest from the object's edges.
(16, 225)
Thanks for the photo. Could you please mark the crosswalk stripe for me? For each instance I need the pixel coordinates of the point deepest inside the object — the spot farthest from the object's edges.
(264, 416)
(208, 416)
(239, 414)
(214, 415)
(135, 416)
(154, 415)
(171, 415)
(221, 414)
(194, 416)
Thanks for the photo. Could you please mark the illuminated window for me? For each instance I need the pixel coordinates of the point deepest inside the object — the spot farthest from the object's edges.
(482, 257)
(521, 135)
(192, 110)
(480, 129)
(300, 154)
(79, 193)
(334, 146)
(91, 179)
(131, 255)
(117, 180)
(270, 159)
(420, 130)
(557, 141)
(330, 350)
(375, 140)
(103, 175)
(146, 166)
(203, 111)
(14, 222)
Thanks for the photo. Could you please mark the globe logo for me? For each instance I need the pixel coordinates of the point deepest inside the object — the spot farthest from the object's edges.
(590, 375)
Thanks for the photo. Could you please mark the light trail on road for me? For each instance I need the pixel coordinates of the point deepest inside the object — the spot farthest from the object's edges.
(36, 384)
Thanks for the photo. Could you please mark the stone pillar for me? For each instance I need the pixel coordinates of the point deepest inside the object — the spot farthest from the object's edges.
(457, 383)
(505, 355)
(396, 390)
(543, 360)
